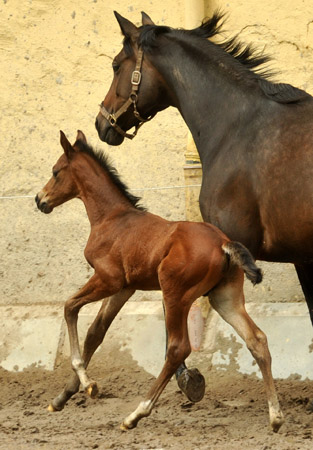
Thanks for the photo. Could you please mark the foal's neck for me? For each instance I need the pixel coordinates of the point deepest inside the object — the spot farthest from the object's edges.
(102, 199)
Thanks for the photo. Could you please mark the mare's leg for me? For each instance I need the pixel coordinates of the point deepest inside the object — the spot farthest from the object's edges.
(95, 335)
(190, 381)
(305, 275)
(228, 301)
(178, 348)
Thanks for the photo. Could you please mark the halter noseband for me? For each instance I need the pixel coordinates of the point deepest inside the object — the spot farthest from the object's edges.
(132, 100)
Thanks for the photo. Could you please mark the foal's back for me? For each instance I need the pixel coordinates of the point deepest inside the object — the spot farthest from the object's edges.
(143, 245)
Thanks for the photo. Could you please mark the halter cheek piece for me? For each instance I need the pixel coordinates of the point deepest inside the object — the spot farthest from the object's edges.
(132, 100)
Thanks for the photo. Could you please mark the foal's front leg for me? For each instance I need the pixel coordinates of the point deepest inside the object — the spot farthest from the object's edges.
(95, 335)
(92, 291)
(95, 289)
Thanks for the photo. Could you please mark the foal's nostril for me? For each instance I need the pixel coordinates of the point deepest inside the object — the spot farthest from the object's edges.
(37, 200)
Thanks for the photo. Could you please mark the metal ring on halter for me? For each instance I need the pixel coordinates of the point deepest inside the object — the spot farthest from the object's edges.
(134, 97)
(112, 120)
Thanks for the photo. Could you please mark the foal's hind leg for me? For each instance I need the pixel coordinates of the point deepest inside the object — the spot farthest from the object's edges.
(190, 381)
(178, 349)
(228, 301)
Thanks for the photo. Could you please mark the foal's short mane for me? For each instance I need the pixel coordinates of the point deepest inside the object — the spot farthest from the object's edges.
(251, 62)
(103, 161)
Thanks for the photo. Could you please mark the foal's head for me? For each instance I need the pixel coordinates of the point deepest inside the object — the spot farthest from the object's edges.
(62, 186)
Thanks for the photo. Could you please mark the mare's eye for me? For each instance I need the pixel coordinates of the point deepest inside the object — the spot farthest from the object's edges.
(55, 173)
(115, 67)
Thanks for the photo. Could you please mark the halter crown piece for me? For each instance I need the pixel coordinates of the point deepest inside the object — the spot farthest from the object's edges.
(132, 100)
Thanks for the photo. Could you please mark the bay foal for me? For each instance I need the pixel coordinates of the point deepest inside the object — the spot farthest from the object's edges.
(130, 248)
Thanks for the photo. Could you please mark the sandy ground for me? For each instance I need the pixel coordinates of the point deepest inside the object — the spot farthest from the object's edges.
(232, 415)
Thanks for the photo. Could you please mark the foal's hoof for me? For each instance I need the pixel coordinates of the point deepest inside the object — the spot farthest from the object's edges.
(124, 427)
(277, 422)
(192, 383)
(92, 390)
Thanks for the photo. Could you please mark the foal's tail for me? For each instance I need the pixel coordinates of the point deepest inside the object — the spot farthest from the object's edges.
(241, 256)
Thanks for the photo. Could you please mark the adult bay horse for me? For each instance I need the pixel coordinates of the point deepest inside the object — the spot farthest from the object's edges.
(254, 137)
(130, 248)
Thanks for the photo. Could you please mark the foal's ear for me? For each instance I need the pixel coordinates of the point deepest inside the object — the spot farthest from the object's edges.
(81, 137)
(146, 20)
(128, 28)
(68, 149)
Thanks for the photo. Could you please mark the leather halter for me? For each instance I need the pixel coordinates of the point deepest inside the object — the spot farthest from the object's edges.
(132, 100)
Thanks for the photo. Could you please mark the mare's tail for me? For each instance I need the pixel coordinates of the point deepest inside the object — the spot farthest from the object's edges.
(241, 256)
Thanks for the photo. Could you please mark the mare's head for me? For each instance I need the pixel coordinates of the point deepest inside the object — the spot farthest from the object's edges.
(159, 66)
(62, 186)
(137, 91)
(146, 76)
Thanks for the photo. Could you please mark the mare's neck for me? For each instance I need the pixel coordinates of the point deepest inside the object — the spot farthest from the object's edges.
(208, 97)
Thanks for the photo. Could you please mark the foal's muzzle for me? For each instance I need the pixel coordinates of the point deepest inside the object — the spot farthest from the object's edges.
(43, 205)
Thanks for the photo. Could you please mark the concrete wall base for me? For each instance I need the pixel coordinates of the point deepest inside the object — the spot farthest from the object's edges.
(42, 339)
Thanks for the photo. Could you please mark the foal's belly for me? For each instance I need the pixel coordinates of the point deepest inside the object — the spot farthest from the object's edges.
(141, 276)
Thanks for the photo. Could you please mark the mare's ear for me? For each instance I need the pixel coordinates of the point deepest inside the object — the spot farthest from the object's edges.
(81, 137)
(128, 28)
(68, 149)
(146, 20)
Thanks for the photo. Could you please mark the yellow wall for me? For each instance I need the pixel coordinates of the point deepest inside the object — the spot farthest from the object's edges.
(281, 28)
(55, 69)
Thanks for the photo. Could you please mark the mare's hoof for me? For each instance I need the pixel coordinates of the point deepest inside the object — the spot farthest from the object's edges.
(192, 383)
(52, 408)
(92, 390)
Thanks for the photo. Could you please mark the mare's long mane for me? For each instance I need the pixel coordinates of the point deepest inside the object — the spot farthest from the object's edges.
(104, 162)
(244, 60)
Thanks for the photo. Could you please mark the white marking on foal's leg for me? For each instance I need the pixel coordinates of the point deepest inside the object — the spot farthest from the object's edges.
(276, 416)
(143, 410)
(89, 386)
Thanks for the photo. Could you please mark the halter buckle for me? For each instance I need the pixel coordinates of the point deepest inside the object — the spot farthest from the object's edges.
(136, 78)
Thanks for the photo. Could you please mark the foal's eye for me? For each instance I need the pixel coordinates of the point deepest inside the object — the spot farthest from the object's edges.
(55, 173)
(115, 67)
